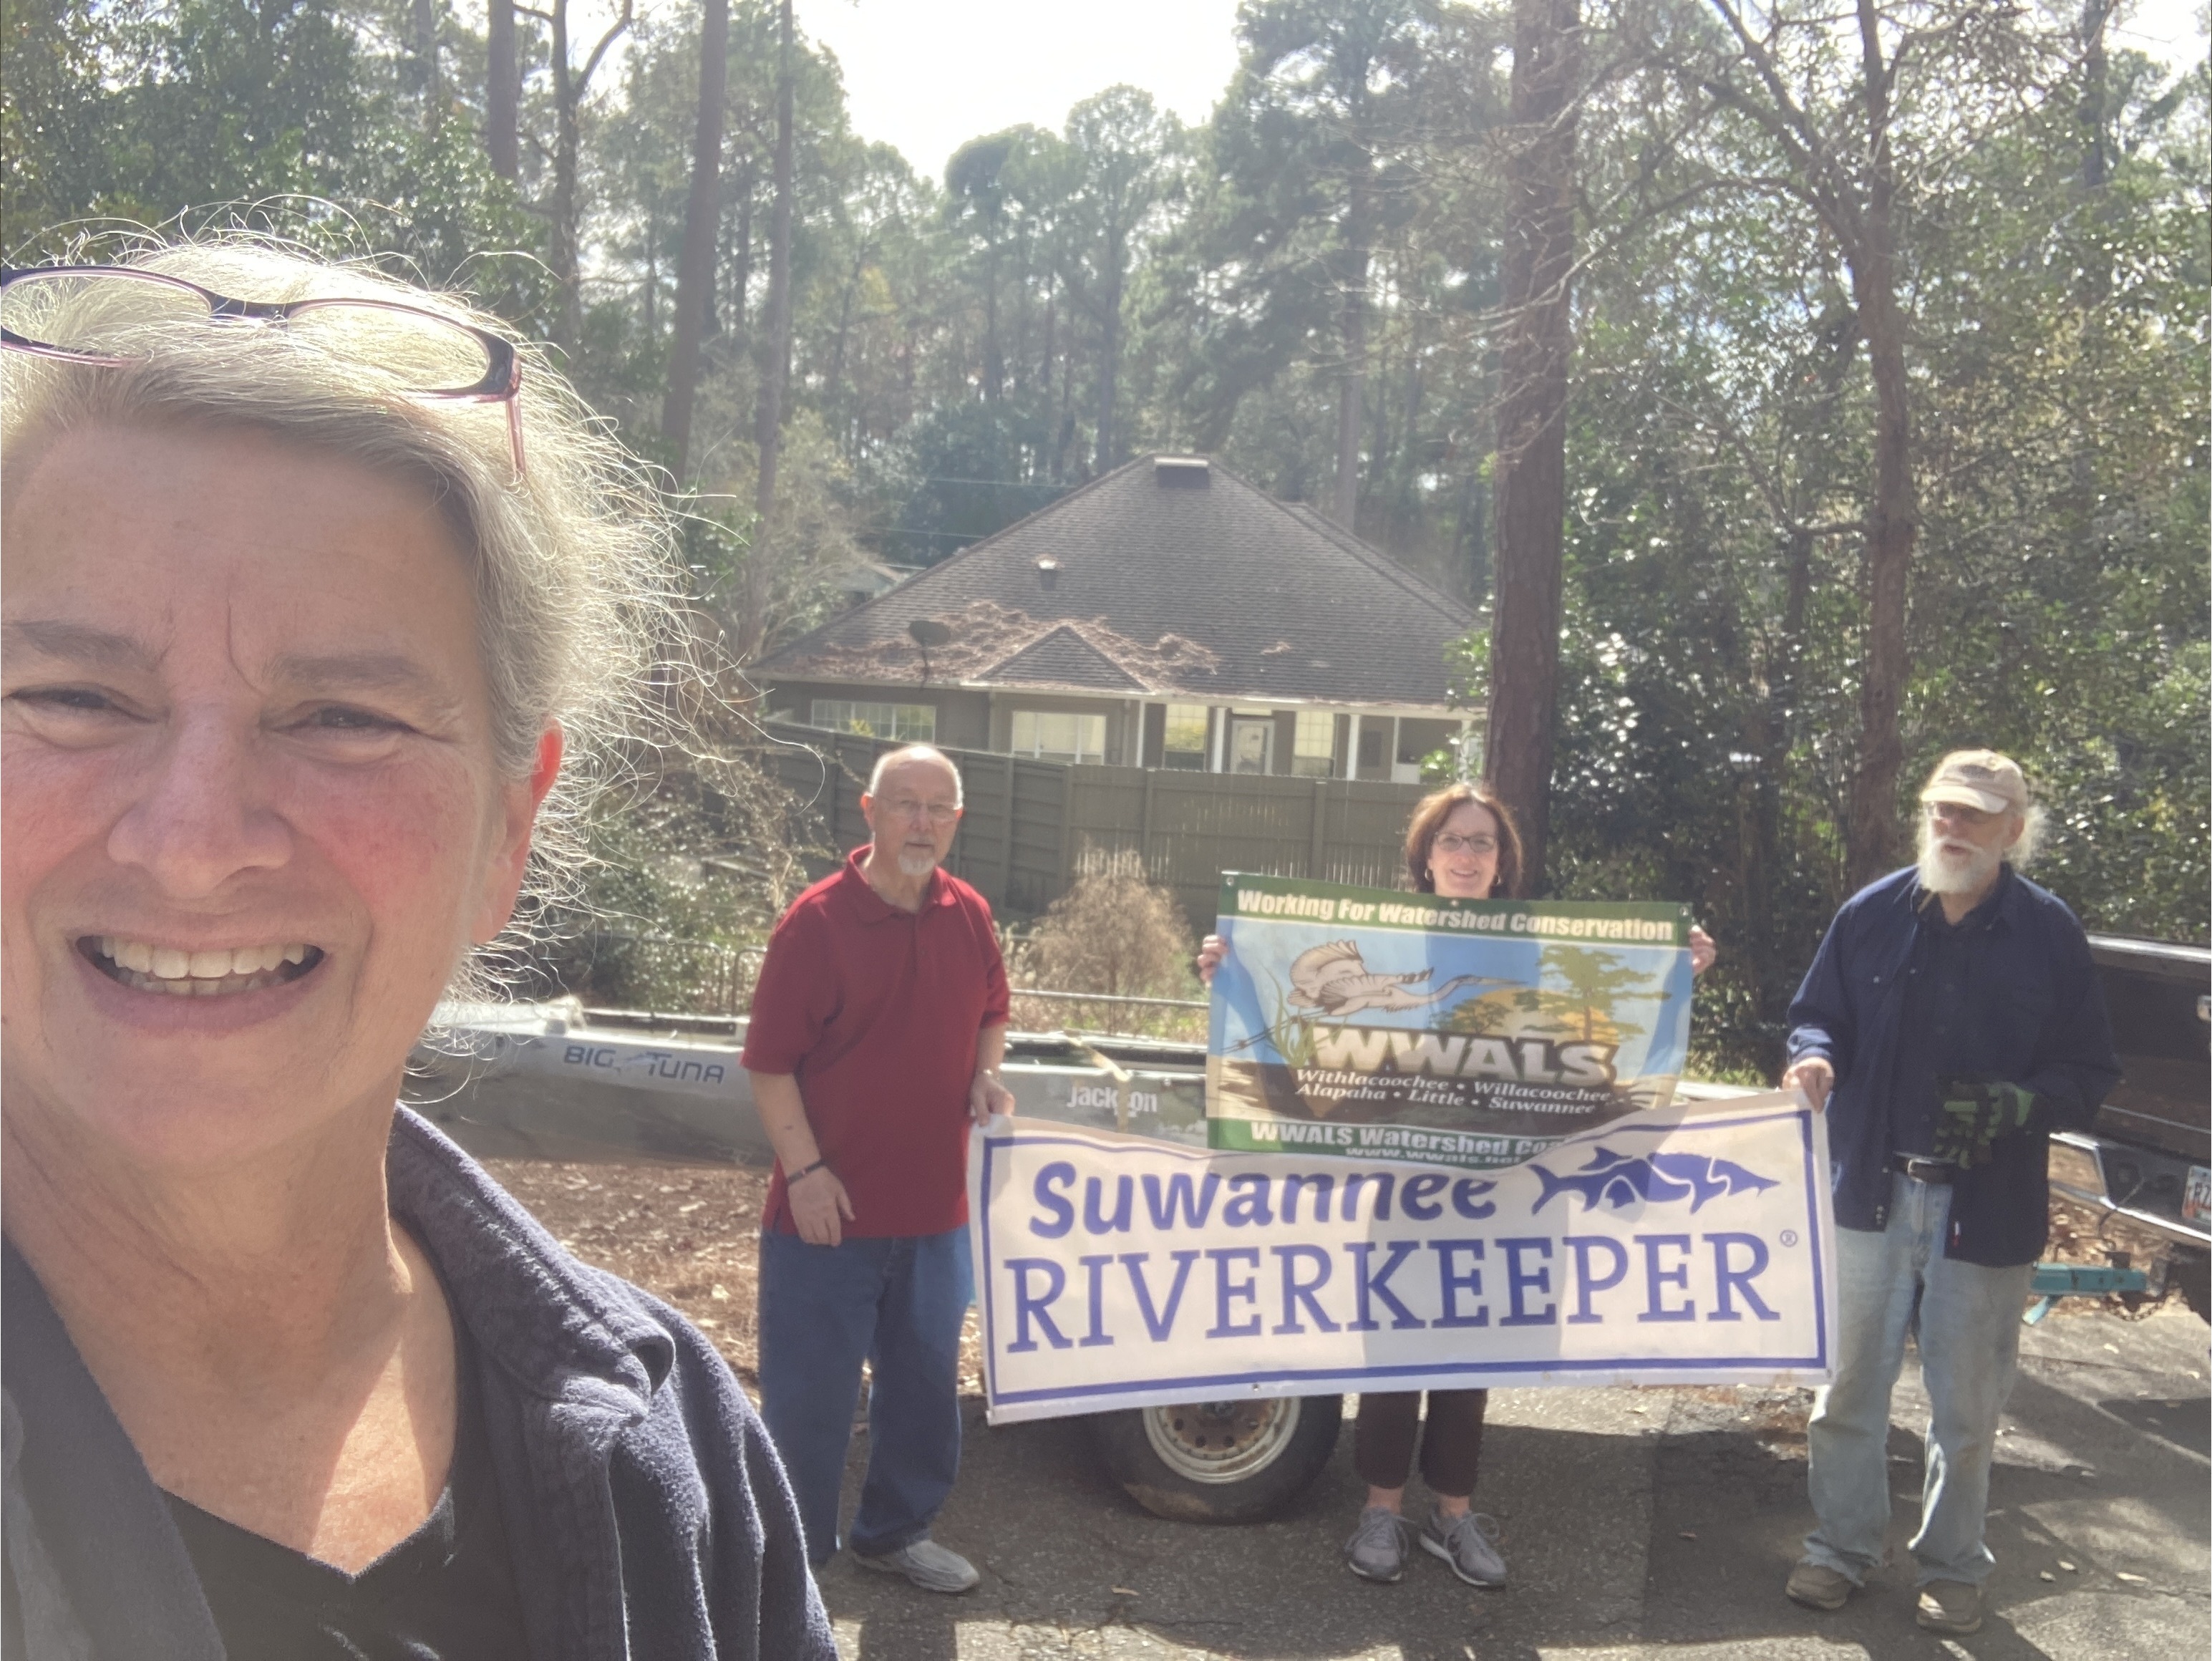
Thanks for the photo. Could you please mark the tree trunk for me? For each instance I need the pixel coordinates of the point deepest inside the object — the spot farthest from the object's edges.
(834, 387)
(2095, 163)
(502, 91)
(1758, 832)
(1531, 465)
(994, 358)
(1870, 836)
(1064, 434)
(1352, 380)
(774, 358)
(1109, 361)
(570, 85)
(566, 144)
(702, 228)
(1051, 323)
(1773, 726)
(422, 54)
(741, 255)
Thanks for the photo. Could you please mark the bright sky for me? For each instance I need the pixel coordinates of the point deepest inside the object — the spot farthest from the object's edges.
(928, 76)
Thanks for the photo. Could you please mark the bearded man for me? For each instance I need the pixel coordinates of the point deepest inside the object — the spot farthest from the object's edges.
(1949, 1022)
(876, 1032)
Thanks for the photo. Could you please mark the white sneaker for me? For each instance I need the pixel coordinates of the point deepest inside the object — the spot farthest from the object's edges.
(926, 1563)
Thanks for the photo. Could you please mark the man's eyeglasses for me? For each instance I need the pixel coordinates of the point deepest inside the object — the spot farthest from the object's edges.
(102, 315)
(1449, 842)
(1975, 818)
(936, 813)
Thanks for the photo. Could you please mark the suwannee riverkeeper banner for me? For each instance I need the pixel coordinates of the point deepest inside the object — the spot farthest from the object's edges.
(1468, 1032)
(1683, 1244)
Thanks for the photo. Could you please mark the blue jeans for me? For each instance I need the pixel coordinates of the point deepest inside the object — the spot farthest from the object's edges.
(897, 1304)
(1966, 1319)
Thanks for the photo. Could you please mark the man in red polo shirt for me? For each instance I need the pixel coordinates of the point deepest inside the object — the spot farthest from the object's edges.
(876, 1032)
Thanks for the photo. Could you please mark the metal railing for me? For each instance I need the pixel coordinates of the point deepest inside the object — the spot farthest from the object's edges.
(1110, 997)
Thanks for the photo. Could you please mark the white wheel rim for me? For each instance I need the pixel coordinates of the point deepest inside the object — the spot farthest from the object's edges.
(1221, 1442)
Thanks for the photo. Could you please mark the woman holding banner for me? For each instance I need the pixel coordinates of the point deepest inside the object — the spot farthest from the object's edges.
(1461, 844)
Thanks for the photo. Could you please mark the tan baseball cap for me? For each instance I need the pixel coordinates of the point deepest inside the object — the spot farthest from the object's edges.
(1978, 778)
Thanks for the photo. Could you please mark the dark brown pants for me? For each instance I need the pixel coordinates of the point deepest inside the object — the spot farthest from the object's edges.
(1451, 1450)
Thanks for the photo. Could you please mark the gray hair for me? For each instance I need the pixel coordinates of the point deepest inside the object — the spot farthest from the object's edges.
(2034, 823)
(579, 616)
(905, 753)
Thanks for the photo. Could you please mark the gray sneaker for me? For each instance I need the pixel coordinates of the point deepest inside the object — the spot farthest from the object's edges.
(1467, 1543)
(926, 1563)
(1376, 1550)
(1817, 1587)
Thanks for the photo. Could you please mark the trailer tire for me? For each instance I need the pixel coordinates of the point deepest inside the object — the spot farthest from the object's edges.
(1218, 1461)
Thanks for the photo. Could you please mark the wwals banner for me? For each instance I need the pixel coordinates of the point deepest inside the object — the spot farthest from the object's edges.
(1689, 1244)
(1467, 1032)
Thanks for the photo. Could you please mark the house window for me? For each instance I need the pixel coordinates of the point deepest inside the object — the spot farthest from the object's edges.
(908, 723)
(1059, 735)
(1186, 737)
(1313, 752)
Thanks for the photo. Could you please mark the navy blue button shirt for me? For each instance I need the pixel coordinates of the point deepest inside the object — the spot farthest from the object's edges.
(2028, 1009)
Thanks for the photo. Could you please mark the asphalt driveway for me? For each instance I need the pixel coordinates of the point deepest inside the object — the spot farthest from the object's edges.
(1636, 1522)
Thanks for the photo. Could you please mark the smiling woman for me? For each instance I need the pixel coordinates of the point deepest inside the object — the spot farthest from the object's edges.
(301, 641)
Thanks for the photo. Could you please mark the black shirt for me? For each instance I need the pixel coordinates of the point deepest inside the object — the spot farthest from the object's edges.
(1933, 1034)
(445, 1593)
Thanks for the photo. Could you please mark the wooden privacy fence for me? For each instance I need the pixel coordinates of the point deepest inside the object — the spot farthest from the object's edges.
(1032, 826)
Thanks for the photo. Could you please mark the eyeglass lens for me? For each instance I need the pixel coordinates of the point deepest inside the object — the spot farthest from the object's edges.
(936, 812)
(99, 313)
(1451, 843)
(110, 313)
(418, 352)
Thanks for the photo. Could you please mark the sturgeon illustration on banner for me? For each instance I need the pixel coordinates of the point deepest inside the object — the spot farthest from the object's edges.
(1689, 1244)
(1476, 1033)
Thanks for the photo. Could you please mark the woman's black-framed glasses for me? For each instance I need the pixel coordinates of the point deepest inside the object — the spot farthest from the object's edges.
(1450, 842)
(99, 315)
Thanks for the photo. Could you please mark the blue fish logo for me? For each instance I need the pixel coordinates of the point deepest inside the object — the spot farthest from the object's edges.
(1621, 1180)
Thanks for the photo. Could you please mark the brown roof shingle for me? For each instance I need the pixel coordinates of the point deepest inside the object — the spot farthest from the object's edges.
(1215, 590)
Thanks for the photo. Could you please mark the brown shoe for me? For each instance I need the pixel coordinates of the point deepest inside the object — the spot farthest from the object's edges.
(1951, 1606)
(1817, 1587)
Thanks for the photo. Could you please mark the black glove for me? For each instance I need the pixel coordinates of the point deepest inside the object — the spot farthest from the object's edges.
(1976, 1112)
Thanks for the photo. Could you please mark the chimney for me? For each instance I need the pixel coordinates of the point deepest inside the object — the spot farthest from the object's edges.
(1184, 470)
(1048, 570)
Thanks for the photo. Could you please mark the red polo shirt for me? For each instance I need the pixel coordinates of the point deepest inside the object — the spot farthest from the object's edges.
(876, 1011)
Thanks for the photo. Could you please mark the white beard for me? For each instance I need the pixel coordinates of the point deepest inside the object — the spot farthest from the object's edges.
(917, 865)
(1959, 868)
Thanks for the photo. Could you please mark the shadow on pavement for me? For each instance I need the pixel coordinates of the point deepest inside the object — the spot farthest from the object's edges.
(1621, 1540)
(2184, 1423)
(1072, 1565)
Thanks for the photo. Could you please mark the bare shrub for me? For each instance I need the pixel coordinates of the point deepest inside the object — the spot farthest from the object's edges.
(1115, 932)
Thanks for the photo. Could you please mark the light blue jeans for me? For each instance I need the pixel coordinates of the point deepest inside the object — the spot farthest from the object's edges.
(1966, 1319)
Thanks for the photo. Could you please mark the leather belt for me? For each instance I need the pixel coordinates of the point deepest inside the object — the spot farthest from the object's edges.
(1923, 1171)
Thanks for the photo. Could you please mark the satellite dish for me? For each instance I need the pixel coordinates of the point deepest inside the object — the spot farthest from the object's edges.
(927, 632)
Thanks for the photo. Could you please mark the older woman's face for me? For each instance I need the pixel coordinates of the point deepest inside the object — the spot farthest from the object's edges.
(1463, 855)
(250, 810)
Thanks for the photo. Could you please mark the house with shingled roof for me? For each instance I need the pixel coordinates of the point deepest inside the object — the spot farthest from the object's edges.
(1166, 615)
